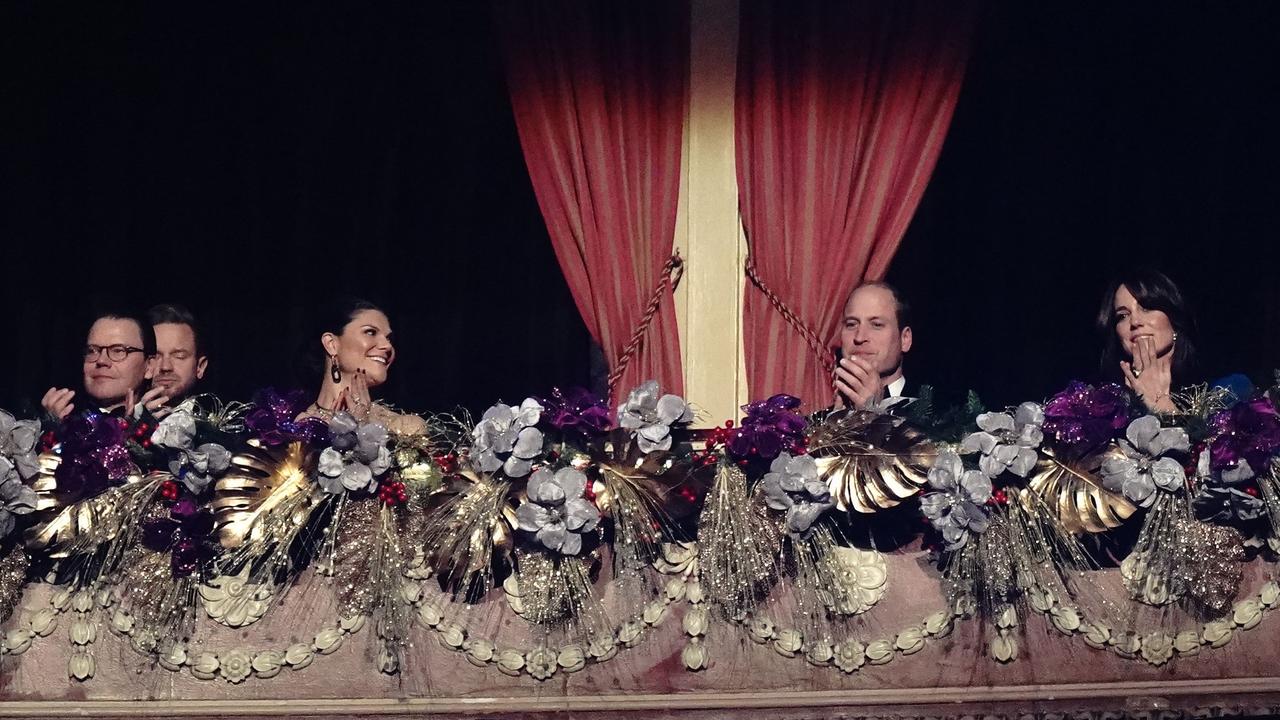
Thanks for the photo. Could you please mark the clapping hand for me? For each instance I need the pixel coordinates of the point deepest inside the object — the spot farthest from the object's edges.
(153, 401)
(57, 402)
(355, 397)
(857, 384)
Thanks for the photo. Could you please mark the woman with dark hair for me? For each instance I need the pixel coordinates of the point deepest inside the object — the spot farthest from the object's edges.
(1148, 331)
(355, 353)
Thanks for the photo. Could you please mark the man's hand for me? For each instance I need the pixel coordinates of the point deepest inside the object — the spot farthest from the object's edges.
(857, 384)
(154, 401)
(57, 402)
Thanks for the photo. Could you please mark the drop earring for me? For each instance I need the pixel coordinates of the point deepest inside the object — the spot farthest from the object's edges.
(334, 373)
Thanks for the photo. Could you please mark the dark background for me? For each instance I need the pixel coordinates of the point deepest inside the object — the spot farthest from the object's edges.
(247, 159)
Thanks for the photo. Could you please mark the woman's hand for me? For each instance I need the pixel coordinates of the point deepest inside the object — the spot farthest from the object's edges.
(1150, 377)
(355, 397)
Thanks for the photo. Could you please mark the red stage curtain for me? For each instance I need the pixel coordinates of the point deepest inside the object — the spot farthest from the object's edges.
(598, 91)
(841, 111)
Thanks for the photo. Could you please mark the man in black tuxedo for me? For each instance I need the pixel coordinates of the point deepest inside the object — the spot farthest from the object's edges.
(874, 337)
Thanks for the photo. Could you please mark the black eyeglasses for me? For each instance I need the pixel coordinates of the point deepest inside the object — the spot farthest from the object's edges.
(116, 353)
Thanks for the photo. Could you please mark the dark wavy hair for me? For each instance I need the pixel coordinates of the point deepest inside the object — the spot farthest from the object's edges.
(1154, 291)
(329, 316)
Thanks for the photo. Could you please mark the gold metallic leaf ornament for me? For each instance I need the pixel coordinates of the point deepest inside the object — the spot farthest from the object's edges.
(1076, 493)
(262, 481)
(870, 461)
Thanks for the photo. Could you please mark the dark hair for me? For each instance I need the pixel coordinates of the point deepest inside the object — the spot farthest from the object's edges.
(177, 315)
(901, 307)
(330, 316)
(113, 312)
(1154, 291)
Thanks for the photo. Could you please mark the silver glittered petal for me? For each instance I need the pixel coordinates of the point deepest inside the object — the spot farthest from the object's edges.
(995, 423)
(572, 544)
(1029, 413)
(977, 486)
(553, 536)
(803, 466)
(175, 431)
(983, 442)
(1168, 440)
(330, 463)
(946, 470)
(580, 515)
(357, 476)
(572, 481)
(530, 412)
(1142, 431)
(1238, 474)
(1168, 474)
(331, 484)
(530, 517)
(543, 488)
(528, 444)
(774, 495)
(670, 409)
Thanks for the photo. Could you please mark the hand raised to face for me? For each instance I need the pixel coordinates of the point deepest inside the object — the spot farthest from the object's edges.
(1150, 375)
(857, 384)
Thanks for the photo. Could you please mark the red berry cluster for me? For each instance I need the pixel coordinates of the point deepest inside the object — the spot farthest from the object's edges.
(392, 492)
(1193, 461)
(999, 498)
(719, 436)
(447, 462)
(47, 441)
(141, 432)
(169, 490)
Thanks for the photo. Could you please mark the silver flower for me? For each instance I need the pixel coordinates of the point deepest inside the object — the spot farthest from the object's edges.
(356, 458)
(792, 485)
(506, 439)
(199, 467)
(1142, 469)
(956, 508)
(1007, 442)
(18, 439)
(650, 416)
(15, 497)
(177, 431)
(557, 513)
(195, 467)
(1222, 504)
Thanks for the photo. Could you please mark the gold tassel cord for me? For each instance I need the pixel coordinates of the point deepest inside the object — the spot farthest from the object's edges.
(1025, 548)
(738, 545)
(556, 596)
(462, 535)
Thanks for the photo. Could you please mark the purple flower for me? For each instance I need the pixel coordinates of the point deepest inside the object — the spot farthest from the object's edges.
(577, 412)
(1083, 418)
(1249, 431)
(184, 534)
(770, 427)
(94, 455)
(272, 419)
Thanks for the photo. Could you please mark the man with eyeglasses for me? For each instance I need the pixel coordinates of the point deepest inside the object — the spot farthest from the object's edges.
(117, 361)
(180, 360)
